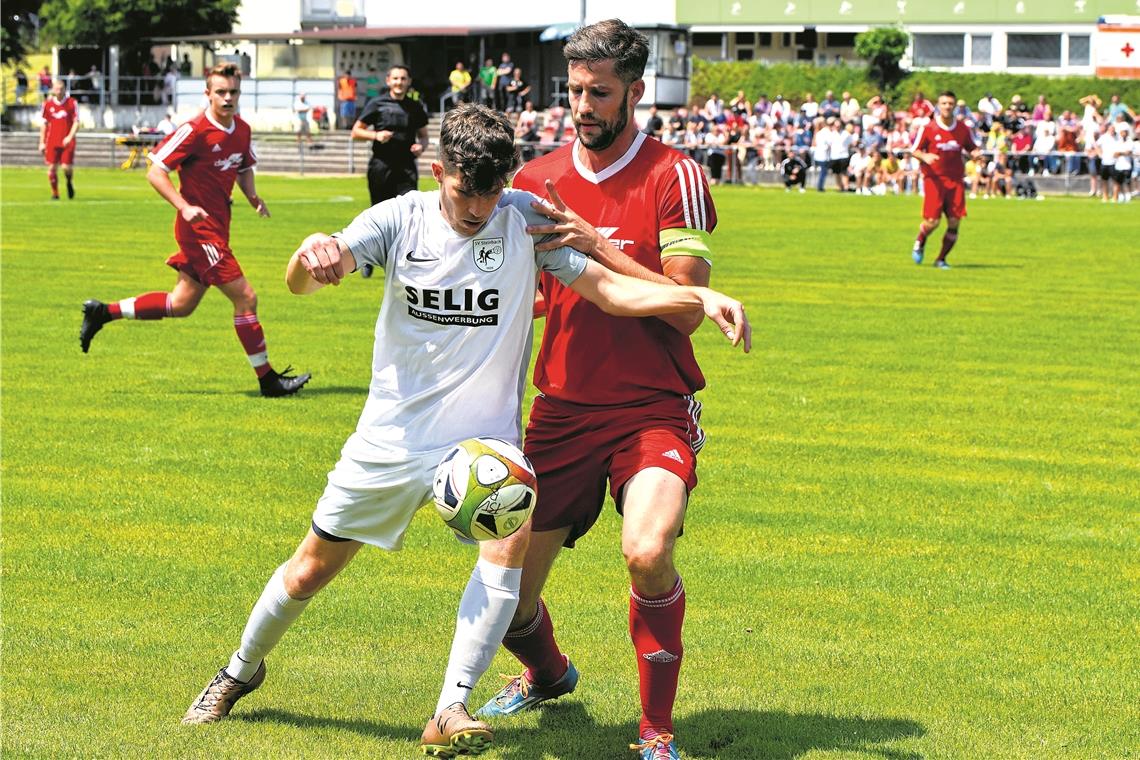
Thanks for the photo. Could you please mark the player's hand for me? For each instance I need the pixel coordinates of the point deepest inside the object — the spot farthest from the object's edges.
(320, 255)
(417, 148)
(383, 135)
(66, 140)
(42, 147)
(728, 313)
(191, 214)
(928, 159)
(568, 228)
(259, 205)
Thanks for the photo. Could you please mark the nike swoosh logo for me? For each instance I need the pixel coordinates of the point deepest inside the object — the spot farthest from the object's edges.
(411, 256)
(462, 685)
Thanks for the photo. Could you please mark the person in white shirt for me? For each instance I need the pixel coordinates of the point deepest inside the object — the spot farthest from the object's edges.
(989, 108)
(449, 363)
(849, 109)
(1106, 149)
(301, 111)
(821, 151)
(809, 109)
(842, 141)
(1122, 166)
(167, 125)
(781, 109)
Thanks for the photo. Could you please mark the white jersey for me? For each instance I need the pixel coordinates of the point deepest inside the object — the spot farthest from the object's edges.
(454, 334)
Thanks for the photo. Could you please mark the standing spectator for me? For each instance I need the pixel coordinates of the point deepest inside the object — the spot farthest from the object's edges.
(1122, 162)
(653, 125)
(1040, 110)
(346, 100)
(1020, 145)
(460, 79)
(202, 228)
(486, 83)
(739, 104)
(920, 110)
(1104, 148)
(962, 113)
(166, 125)
(301, 112)
(849, 110)
(517, 90)
(526, 128)
(842, 142)
(714, 107)
(169, 82)
(829, 106)
(1116, 108)
(1044, 143)
(1016, 115)
(21, 86)
(763, 106)
(503, 75)
(939, 146)
(821, 151)
(782, 110)
(1067, 129)
(95, 77)
(396, 126)
(371, 84)
(70, 81)
(57, 137)
(45, 83)
(185, 68)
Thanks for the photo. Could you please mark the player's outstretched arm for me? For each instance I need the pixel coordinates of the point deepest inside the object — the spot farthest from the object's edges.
(320, 260)
(567, 228)
(624, 296)
(160, 180)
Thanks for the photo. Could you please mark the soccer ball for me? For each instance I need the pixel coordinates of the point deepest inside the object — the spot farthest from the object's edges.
(484, 489)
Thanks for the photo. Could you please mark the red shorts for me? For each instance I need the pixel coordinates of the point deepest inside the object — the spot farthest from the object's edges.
(209, 261)
(575, 449)
(940, 198)
(57, 154)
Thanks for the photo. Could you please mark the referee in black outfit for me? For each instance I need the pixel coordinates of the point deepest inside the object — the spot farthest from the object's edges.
(396, 126)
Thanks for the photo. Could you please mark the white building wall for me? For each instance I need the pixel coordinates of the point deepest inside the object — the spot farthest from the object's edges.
(268, 17)
(385, 13)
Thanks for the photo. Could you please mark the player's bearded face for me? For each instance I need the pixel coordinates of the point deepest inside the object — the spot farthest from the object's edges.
(599, 104)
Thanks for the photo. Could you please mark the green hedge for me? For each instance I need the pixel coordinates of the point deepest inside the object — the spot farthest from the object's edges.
(792, 80)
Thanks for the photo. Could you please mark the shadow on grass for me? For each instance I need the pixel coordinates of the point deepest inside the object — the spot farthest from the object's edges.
(319, 390)
(371, 728)
(566, 731)
(989, 266)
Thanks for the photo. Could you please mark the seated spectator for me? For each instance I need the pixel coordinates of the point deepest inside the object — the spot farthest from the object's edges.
(809, 109)
(859, 170)
(517, 90)
(911, 173)
(1041, 111)
(962, 112)
(975, 175)
(526, 128)
(1044, 142)
(1020, 146)
(782, 110)
(763, 106)
(739, 104)
(890, 172)
(849, 110)
(829, 106)
(920, 110)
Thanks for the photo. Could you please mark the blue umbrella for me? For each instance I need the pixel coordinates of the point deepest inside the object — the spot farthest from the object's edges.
(558, 31)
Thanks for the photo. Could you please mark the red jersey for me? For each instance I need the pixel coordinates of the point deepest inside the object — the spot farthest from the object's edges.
(947, 144)
(208, 158)
(588, 356)
(59, 117)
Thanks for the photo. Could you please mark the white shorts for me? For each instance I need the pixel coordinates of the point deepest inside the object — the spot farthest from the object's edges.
(374, 502)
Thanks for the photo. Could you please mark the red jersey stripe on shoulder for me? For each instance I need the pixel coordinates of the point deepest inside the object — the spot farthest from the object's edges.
(175, 140)
(696, 193)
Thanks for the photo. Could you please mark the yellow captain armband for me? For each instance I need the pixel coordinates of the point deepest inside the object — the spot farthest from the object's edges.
(682, 241)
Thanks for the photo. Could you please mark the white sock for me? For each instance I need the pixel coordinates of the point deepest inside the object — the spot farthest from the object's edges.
(274, 612)
(485, 612)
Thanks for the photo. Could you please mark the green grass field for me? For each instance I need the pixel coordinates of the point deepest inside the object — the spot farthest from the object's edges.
(916, 533)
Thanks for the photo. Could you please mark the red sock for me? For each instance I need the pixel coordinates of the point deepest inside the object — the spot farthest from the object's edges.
(921, 239)
(534, 646)
(655, 627)
(53, 178)
(155, 305)
(948, 241)
(252, 339)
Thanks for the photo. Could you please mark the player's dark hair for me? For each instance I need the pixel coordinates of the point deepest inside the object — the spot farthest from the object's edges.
(948, 94)
(224, 70)
(479, 144)
(610, 40)
(395, 66)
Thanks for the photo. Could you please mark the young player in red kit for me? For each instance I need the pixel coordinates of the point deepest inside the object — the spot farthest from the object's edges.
(939, 146)
(616, 401)
(210, 152)
(57, 137)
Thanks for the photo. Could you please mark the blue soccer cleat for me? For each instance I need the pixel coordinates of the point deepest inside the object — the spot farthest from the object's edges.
(657, 747)
(941, 264)
(520, 694)
(917, 253)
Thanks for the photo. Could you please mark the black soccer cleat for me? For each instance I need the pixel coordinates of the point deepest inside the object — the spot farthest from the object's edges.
(95, 315)
(70, 190)
(276, 384)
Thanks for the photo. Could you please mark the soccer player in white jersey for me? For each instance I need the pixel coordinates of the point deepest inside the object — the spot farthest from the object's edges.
(452, 341)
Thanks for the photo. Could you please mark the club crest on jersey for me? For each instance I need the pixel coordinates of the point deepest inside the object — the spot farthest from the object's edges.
(488, 253)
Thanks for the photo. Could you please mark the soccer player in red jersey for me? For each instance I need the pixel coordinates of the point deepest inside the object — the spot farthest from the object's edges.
(939, 146)
(616, 401)
(57, 137)
(210, 152)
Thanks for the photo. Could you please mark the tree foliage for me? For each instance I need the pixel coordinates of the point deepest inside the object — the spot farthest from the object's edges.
(132, 23)
(882, 48)
(18, 29)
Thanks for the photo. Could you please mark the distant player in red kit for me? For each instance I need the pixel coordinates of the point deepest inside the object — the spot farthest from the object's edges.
(210, 153)
(939, 146)
(616, 405)
(57, 137)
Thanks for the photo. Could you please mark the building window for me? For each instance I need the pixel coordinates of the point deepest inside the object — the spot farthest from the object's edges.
(939, 49)
(786, 39)
(1078, 50)
(841, 39)
(744, 54)
(745, 38)
(980, 50)
(765, 39)
(1034, 50)
(706, 39)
